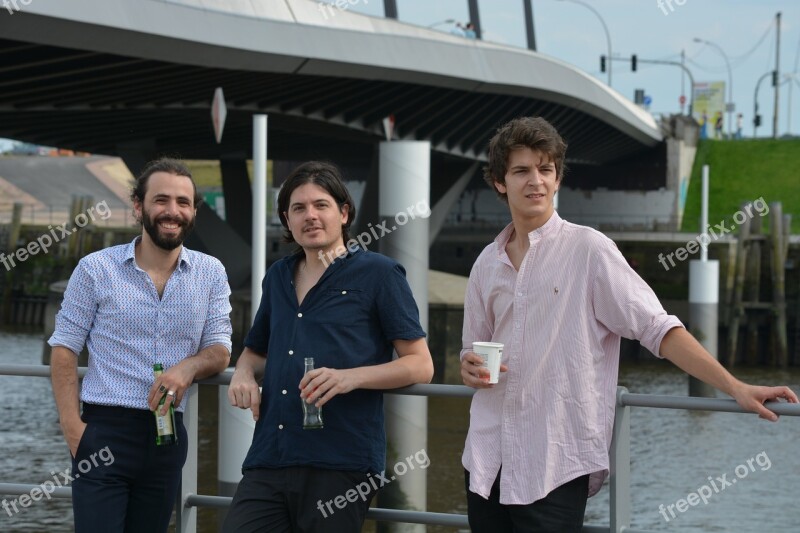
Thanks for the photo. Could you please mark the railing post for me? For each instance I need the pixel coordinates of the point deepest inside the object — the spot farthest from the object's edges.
(619, 501)
(186, 517)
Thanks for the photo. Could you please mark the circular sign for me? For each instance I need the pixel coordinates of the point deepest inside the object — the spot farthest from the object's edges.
(682, 100)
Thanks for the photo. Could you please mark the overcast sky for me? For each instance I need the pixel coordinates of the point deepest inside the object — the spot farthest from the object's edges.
(572, 33)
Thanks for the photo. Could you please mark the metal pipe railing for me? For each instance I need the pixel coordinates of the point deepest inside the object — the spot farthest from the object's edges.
(619, 500)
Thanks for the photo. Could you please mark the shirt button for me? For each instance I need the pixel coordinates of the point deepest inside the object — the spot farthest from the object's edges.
(344, 292)
(516, 325)
(300, 315)
(283, 391)
(280, 426)
(291, 352)
(520, 293)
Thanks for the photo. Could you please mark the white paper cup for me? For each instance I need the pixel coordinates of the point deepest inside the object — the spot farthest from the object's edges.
(492, 353)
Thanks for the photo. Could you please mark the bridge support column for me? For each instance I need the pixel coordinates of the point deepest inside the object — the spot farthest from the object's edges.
(404, 170)
(447, 201)
(237, 193)
(236, 426)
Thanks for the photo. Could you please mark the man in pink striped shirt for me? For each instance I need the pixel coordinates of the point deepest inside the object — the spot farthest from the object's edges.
(559, 296)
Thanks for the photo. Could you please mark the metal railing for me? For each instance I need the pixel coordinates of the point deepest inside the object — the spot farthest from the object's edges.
(619, 482)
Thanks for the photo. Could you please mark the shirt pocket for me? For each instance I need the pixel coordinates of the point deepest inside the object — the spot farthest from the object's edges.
(344, 306)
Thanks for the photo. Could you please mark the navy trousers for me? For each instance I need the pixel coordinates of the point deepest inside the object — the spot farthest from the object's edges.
(122, 481)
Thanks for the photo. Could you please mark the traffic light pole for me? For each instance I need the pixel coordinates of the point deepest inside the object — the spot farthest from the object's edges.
(756, 118)
(663, 62)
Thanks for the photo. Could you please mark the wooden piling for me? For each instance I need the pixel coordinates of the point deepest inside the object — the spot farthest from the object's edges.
(781, 350)
(737, 310)
(752, 292)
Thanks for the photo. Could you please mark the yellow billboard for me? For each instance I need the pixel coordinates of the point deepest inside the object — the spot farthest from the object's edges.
(709, 108)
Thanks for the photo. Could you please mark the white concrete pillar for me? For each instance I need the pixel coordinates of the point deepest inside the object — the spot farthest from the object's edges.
(236, 425)
(404, 200)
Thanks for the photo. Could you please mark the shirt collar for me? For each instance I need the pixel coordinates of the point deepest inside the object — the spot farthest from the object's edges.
(130, 253)
(299, 254)
(504, 236)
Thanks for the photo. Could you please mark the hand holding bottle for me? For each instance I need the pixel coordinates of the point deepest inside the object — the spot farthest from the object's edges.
(322, 384)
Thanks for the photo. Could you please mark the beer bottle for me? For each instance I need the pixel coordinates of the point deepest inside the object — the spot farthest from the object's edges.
(165, 424)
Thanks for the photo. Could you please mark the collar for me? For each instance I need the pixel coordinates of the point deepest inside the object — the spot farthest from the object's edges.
(130, 254)
(552, 223)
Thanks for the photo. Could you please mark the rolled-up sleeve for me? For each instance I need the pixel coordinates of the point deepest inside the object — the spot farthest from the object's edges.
(78, 310)
(218, 329)
(625, 304)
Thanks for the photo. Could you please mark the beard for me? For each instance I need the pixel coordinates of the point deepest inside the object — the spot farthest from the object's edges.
(164, 242)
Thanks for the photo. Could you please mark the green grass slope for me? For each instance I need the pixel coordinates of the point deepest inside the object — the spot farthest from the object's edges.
(742, 171)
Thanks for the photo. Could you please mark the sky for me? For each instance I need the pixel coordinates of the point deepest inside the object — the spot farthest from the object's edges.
(743, 29)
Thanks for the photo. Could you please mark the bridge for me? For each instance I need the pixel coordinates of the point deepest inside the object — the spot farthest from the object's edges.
(128, 76)
(135, 78)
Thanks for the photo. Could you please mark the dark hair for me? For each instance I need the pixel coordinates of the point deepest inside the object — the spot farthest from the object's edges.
(325, 175)
(162, 164)
(525, 132)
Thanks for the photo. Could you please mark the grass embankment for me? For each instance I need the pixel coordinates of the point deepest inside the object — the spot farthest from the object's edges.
(742, 171)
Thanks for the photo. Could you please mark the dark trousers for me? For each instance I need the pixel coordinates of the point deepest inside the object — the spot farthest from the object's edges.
(561, 511)
(123, 482)
(300, 500)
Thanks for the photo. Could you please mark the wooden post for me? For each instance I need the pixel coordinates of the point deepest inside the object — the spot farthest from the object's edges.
(730, 283)
(72, 240)
(737, 310)
(87, 231)
(16, 226)
(752, 292)
(787, 234)
(779, 284)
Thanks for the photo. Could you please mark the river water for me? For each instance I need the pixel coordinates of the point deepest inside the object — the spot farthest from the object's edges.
(673, 454)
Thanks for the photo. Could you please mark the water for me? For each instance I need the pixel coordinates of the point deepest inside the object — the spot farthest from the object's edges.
(673, 454)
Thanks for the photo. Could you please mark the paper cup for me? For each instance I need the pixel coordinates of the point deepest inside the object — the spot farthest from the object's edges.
(492, 353)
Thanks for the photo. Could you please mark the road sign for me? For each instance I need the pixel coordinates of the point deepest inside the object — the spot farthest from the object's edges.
(647, 100)
(218, 113)
(682, 99)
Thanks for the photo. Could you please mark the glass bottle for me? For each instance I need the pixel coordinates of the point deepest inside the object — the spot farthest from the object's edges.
(165, 424)
(312, 415)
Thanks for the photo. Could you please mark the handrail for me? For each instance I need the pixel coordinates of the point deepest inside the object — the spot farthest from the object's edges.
(688, 403)
(619, 500)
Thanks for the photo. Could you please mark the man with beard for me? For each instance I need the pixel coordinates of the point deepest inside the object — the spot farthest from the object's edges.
(134, 305)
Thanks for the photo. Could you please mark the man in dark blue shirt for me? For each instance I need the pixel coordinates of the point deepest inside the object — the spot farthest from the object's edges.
(349, 313)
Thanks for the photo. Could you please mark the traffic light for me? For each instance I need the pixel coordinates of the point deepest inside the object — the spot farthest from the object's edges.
(602, 63)
(633, 62)
(757, 121)
(774, 78)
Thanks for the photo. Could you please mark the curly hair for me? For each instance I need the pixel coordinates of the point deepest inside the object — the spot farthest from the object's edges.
(525, 132)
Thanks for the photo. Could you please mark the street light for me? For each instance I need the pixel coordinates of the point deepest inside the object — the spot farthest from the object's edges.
(605, 28)
(729, 105)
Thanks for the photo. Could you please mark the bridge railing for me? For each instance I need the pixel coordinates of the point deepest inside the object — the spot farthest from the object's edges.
(619, 482)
